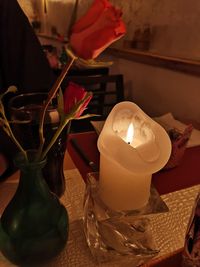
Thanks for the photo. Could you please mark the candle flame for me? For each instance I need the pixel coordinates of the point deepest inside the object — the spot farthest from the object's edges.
(130, 134)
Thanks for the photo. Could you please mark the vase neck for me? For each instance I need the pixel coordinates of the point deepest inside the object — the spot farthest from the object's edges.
(31, 164)
(32, 182)
(30, 171)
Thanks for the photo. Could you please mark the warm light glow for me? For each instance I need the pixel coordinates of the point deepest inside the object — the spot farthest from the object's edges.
(45, 6)
(130, 134)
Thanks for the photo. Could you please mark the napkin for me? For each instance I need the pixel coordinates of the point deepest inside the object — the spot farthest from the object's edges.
(169, 122)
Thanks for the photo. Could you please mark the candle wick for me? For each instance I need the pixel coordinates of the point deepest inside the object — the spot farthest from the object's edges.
(129, 143)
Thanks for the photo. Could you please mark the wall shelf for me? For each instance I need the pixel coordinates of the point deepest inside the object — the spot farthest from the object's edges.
(176, 64)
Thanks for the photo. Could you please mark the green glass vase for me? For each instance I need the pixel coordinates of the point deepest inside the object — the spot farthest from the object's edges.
(27, 107)
(34, 226)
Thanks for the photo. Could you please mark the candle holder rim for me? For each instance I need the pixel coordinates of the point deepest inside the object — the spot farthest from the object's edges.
(155, 204)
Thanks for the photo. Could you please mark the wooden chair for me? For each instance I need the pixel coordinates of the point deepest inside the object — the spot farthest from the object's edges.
(107, 91)
(85, 72)
(88, 71)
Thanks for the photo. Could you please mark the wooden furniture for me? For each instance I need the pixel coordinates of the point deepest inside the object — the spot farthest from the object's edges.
(74, 71)
(187, 66)
(99, 86)
(88, 71)
(107, 91)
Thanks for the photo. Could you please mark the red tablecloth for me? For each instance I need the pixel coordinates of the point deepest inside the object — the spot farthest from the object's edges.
(185, 175)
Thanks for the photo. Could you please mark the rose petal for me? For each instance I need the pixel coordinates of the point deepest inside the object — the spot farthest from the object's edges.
(93, 13)
(73, 94)
(106, 28)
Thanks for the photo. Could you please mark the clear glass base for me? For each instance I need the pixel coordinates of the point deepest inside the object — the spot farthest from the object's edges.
(119, 236)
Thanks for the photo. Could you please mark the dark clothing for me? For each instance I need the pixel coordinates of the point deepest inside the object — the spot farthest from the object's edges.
(22, 61)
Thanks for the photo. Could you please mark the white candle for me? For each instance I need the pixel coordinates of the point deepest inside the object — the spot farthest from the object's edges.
(132, 146)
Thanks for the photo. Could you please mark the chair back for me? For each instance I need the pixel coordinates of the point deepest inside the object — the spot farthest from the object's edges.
(107, 90)
(88, 71)
(84, 71)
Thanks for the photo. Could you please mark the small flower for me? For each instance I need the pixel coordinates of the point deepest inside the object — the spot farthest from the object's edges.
(73, 94)
(96, 30)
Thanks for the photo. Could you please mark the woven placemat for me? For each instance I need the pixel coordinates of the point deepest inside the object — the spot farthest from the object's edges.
(168, 228)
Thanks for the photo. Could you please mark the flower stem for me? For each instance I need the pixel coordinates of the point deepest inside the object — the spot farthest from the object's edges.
(51, 95)
(9, 131)
(53, 140)
(65, 119)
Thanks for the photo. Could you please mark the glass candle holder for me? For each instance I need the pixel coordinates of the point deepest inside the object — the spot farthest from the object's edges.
(123, 236)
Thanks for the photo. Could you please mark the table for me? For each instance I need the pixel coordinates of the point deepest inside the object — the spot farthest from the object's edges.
(164, 181)
(177, 178)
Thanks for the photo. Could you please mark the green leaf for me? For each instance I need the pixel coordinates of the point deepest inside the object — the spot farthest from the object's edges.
(78, 105)
(60, 102)
(91, 63)
(87, 116)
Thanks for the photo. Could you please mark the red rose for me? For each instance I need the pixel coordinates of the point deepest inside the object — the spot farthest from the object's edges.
(97, 29)
(73, 94)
